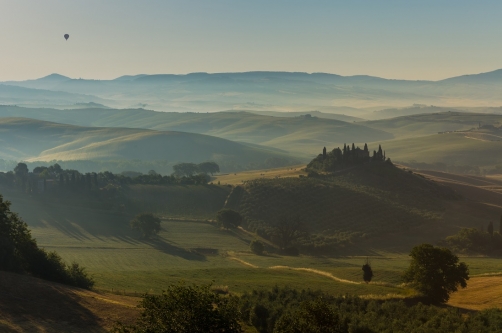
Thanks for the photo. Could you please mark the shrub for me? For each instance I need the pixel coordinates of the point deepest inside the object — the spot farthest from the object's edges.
(180, 309)
(257, 247)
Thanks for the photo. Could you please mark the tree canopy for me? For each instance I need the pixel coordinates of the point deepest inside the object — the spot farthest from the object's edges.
(228, 218)
(312, 317)
(180, 309)
(435, 272)
(20, 253)
(147, 224)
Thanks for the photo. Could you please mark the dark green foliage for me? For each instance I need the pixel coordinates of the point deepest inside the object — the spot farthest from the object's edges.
(147, 224)
(190, 169)
(274, 310)
(311, 317)
(367, 272)
(257, 247)
(19, 253)
(435, 272)
(338, 159)
(185, 169)
(208, 168)
(287, 229)
(471, 240)
(228, 218)
(290, 251)
(186, 309)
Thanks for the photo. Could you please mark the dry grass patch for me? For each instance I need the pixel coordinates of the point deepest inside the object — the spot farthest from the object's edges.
(481, 293)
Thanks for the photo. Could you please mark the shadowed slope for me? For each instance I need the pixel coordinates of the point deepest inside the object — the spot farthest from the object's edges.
(33, 305)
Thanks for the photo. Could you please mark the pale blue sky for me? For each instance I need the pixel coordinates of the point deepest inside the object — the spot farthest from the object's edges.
(108, 38)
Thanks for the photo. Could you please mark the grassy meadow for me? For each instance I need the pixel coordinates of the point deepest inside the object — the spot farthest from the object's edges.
(197, 252)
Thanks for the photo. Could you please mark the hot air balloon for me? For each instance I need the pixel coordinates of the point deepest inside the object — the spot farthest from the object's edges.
(66, 36)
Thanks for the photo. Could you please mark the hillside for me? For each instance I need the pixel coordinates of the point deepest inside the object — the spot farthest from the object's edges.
(427, 123)
(475, 149)
(33, 305)
(299, 134)
(346, 208)
(28, 139)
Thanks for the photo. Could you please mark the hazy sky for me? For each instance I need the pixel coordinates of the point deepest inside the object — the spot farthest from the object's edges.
(108, 38)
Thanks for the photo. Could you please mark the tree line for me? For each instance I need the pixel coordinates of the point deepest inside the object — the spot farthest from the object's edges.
(348, 156)
(472, 240)
(42, 178)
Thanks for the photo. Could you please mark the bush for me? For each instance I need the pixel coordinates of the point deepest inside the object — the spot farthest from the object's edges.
(147, 224)
(257, 247)
(311, 317)
(228, 218)
(180, 309)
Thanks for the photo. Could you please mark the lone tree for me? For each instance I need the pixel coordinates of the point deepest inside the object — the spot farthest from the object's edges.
(490, 228)
(257, 247)
(228, 218)
(367, 272)
(180, 308)
(435, 272)
(147, 224)
(287, 230)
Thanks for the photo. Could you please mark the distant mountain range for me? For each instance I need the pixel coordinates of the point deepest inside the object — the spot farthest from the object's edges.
(259, 91)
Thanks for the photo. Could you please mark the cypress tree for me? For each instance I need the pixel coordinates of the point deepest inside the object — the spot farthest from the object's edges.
(366, 147)
(324, 152)
(367, 272)
(490, 228)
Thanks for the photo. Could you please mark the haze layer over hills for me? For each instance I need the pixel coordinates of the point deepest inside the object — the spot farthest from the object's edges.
(275, 91)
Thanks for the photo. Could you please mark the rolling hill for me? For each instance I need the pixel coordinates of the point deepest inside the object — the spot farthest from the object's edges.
(461, 148)
(301, 134)
(432, 121)
(35, 140)
(354, 206)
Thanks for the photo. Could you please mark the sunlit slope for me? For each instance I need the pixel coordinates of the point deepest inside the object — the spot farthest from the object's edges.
(299, 134)
(468, 148)
(30, 139)
(432, 123)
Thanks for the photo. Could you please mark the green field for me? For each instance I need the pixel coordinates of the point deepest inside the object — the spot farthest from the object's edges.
(127, 264)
